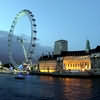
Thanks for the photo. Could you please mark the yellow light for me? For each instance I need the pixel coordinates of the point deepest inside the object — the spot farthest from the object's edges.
(83, 70)
(44, 70)
(52, 70)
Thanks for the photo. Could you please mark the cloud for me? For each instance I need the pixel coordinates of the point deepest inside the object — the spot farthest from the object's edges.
(17, 50)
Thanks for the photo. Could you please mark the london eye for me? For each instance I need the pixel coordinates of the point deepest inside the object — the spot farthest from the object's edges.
(28, 53)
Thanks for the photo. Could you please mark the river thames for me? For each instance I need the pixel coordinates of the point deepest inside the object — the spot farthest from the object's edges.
(48, 88)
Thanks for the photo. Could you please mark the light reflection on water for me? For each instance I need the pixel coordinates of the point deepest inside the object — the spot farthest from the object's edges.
(77, 89)
(71, 88)
(48, 88)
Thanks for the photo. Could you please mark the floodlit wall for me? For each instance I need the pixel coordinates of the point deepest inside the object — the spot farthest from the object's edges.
(77, 63)
(47, 65)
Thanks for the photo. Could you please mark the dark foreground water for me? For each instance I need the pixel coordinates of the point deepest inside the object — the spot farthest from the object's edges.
(48, 88)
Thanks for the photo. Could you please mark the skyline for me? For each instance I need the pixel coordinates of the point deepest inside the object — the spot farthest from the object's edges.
(74, 21)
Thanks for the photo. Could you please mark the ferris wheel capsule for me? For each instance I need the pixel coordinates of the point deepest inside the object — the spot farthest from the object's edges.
(33, 19)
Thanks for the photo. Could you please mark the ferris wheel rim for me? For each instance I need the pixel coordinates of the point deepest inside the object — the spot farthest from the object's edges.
(32, 20)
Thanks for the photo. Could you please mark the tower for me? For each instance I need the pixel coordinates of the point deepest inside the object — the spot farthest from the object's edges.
(87, 45)
(60, 45)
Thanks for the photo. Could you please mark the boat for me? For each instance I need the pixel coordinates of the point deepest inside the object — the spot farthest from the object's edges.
(20, 76)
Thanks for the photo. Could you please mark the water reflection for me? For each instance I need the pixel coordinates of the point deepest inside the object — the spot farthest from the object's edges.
(66, 88)
(77, 89)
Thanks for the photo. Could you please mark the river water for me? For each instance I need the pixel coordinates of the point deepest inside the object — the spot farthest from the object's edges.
(48, 88)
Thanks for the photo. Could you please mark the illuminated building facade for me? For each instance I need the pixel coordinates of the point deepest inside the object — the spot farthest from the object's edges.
(71, 61)
(80, 63)
(47, 64)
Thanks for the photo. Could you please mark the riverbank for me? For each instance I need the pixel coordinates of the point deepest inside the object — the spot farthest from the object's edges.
(68, 74)
(55, 74)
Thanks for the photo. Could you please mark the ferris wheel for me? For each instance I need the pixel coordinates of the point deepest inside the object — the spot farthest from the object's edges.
(28, 54)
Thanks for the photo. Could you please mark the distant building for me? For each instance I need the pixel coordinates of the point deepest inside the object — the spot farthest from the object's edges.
(60, 45)
(87, 45)
(95, 58)
(71, 61)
